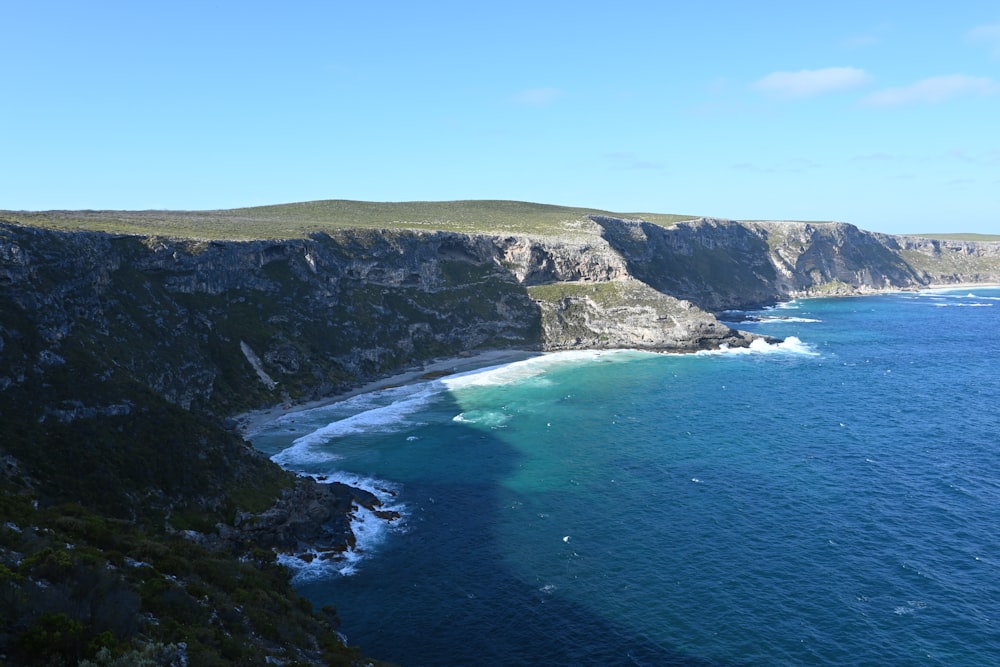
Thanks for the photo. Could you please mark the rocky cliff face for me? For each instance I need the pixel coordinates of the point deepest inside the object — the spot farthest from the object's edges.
(223, 326)
(949, 262)
(120, 357)
(627, 314)
(229, 325)
(724, 264)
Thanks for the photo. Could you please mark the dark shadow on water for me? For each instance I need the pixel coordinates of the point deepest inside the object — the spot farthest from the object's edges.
(412, 604)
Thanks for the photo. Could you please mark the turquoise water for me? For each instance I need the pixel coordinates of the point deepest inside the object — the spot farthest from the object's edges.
(834, 500)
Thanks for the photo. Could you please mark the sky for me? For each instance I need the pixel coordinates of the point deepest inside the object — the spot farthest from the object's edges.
(883, 114)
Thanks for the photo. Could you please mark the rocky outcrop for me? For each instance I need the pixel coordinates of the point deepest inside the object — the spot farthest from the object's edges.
(120, 355)
(725, 264)
(834, 258)
(89, 321)
(948, 262)
(225, 326)
(309, 518)
(716, 264)
(627, 314)
(242, 324)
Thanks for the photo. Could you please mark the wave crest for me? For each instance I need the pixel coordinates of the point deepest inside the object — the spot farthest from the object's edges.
(791, 345)
(370, 530)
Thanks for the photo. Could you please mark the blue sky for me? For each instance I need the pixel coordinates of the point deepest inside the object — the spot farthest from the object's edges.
(882, 114)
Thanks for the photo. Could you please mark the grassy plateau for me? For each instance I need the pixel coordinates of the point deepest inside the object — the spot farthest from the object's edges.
(298, 220)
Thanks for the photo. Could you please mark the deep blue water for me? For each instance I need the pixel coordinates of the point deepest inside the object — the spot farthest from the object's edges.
(831, 501)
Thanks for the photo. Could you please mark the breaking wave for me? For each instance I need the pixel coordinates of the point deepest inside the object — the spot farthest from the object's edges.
(791, 345)
(384, 411)
(530, 369)
(370, 530)
(784, 320)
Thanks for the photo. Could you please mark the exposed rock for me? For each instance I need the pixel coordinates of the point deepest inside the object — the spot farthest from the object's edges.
(948, 262)
(725, 264)
(209, 325)
(218, 325)
(309, 515)
(627, 314)
(258, 368)
(121, 355)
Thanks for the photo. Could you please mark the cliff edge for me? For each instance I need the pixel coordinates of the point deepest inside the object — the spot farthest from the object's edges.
(124, 353)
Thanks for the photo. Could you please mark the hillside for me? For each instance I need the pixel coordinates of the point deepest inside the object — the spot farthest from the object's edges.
(134, 516)
(299, 220)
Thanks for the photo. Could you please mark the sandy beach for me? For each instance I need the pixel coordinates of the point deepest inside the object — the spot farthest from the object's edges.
(250, 423)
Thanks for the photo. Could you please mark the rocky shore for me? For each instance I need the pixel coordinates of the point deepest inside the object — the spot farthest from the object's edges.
(123, 356)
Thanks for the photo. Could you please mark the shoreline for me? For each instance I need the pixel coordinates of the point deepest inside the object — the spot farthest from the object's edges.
(252, 422)
(949, 286)
(933, 287)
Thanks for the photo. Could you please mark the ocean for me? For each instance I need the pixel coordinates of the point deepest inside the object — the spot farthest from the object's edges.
(831, 500)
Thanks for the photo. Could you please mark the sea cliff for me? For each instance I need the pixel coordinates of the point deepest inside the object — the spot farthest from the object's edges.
(124, 355)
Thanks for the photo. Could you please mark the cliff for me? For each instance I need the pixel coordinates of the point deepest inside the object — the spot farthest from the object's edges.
(725, 264)
(225, 326)
(944, 262)
(123, 354)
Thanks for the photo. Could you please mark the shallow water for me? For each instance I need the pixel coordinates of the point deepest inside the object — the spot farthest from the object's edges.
(833, 500)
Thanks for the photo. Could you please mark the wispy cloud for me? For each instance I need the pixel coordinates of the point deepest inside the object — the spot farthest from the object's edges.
(810, 82)
(933, 90)
(990, 34)
(987, 157)
(537, 97)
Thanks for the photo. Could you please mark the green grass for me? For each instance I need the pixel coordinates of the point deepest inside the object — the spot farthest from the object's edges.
(298, 220)
(301, 219)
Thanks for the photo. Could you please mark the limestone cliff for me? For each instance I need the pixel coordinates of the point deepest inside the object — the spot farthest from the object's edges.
(627, 314)
(948, 262)
(725, 264)
(224, 326)
(121, 355)
(228, 325)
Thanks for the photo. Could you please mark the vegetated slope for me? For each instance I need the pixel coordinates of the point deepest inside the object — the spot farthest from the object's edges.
(299, 220)
(944, 260)
(116, 475)
(122, 355)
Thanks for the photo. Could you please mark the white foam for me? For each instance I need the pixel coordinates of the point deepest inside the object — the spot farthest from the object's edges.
(303, 454)
(964, 305)
(369, 530)
(384, 411)
(953, 292)
(387, 410)
(910, 607)
(528, 368)
(491, 418)
(385, 491)
(791, 345)
(773, 320)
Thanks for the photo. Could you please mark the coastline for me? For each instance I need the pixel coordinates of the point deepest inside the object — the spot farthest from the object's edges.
(250, 423)
(951, 286)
